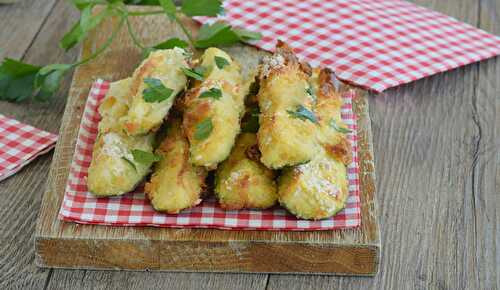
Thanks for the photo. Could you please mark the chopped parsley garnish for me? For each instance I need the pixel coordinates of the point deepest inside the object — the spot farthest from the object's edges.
(310, 92)
(196, 73)
(339, 129)
(203, 129)
(221, 62)
(155, 91)
(303, 113)
(214, 93)
(144, 157)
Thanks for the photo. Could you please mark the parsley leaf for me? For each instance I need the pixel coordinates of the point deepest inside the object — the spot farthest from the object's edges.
(48, 80)
(214, 93)
(197, 73)
(339, 129)
(202, 7)
(171, 43)
(247, 35)
(303, 114)
(221, 62)
(203, 129)
(169, 8)
(17, 80)
(144, 157)
(219, 33)
(129, 162)
(80, 29)
(310, 92)
(156, 91)
(250, 122)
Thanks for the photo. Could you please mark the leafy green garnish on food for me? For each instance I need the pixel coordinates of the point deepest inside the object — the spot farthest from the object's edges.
(339, 129)
(155, 91)
(310, 92)
(132, 164)
(247, 35)
(213, 93)
(144, 157)
(221, 62)
(171, 43)
(303, 113)
(203, 129)
(196, 73)
(202, 7)
(250, 121)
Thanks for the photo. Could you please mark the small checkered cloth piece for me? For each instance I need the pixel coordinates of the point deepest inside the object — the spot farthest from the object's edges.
(20, 144)
(373, 44)
(133, 209)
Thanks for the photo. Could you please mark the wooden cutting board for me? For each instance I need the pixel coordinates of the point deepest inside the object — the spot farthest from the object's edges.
(70, 245)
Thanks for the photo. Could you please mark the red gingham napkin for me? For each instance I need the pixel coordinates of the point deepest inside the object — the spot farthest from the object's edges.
(133, 209)
(20, 144)
(373, 44)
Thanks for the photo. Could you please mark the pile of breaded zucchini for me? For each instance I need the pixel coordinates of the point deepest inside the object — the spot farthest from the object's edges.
(275, 136)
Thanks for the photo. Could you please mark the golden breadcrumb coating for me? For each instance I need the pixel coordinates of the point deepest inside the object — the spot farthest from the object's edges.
(163, 65)
(113, 170)
(213, 109)
(242, 181)
(175, 184)
(319, 188)
(285, 139)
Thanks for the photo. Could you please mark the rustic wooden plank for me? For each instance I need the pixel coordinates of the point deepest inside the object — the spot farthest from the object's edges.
(70, 245)
(438, 180)
(20, 194)
(20, 23)
(67, 279)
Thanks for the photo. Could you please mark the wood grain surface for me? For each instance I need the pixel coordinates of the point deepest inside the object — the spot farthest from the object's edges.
(69, 245)
(436, 145)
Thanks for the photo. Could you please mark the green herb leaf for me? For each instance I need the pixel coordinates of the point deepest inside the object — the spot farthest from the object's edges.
(155, 91)
(17, 80)
(80, 29)
(339, 129)
(310, 92)
(82, 4)
(303, 113)
(219, 33)
(196, 73)
(171, 43)
(250, 122)
(130, 162)
(214, 93)
(169, 8)
(203, 129)
(48, 80)
(202, 7)
(221, 62)
(144, 157)
(247, 35)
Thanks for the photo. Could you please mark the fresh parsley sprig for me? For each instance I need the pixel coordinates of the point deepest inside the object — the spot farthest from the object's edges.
(303, 114)
(21, 81)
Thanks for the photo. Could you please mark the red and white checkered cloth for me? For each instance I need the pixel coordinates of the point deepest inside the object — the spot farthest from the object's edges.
(372, 44)
(133, 209)
(20, 144)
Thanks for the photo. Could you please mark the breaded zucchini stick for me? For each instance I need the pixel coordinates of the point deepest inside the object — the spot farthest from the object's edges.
(319, 188)
(113, 170)
(287, 134)
(213, 108)
(175, 184)
(155, 84)
(242, 181)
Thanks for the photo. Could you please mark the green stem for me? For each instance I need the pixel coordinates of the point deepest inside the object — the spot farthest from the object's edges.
(132, 34)
(104, 47)
(185, 30)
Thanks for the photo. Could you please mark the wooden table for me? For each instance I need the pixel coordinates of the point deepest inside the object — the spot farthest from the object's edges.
(437, 150)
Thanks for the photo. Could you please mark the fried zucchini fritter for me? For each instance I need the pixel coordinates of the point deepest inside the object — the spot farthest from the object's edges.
(155, 84)
(319, 188)
(213, 109)
(175, 184)
(242, 181)
(287, 134)
(113, 170)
